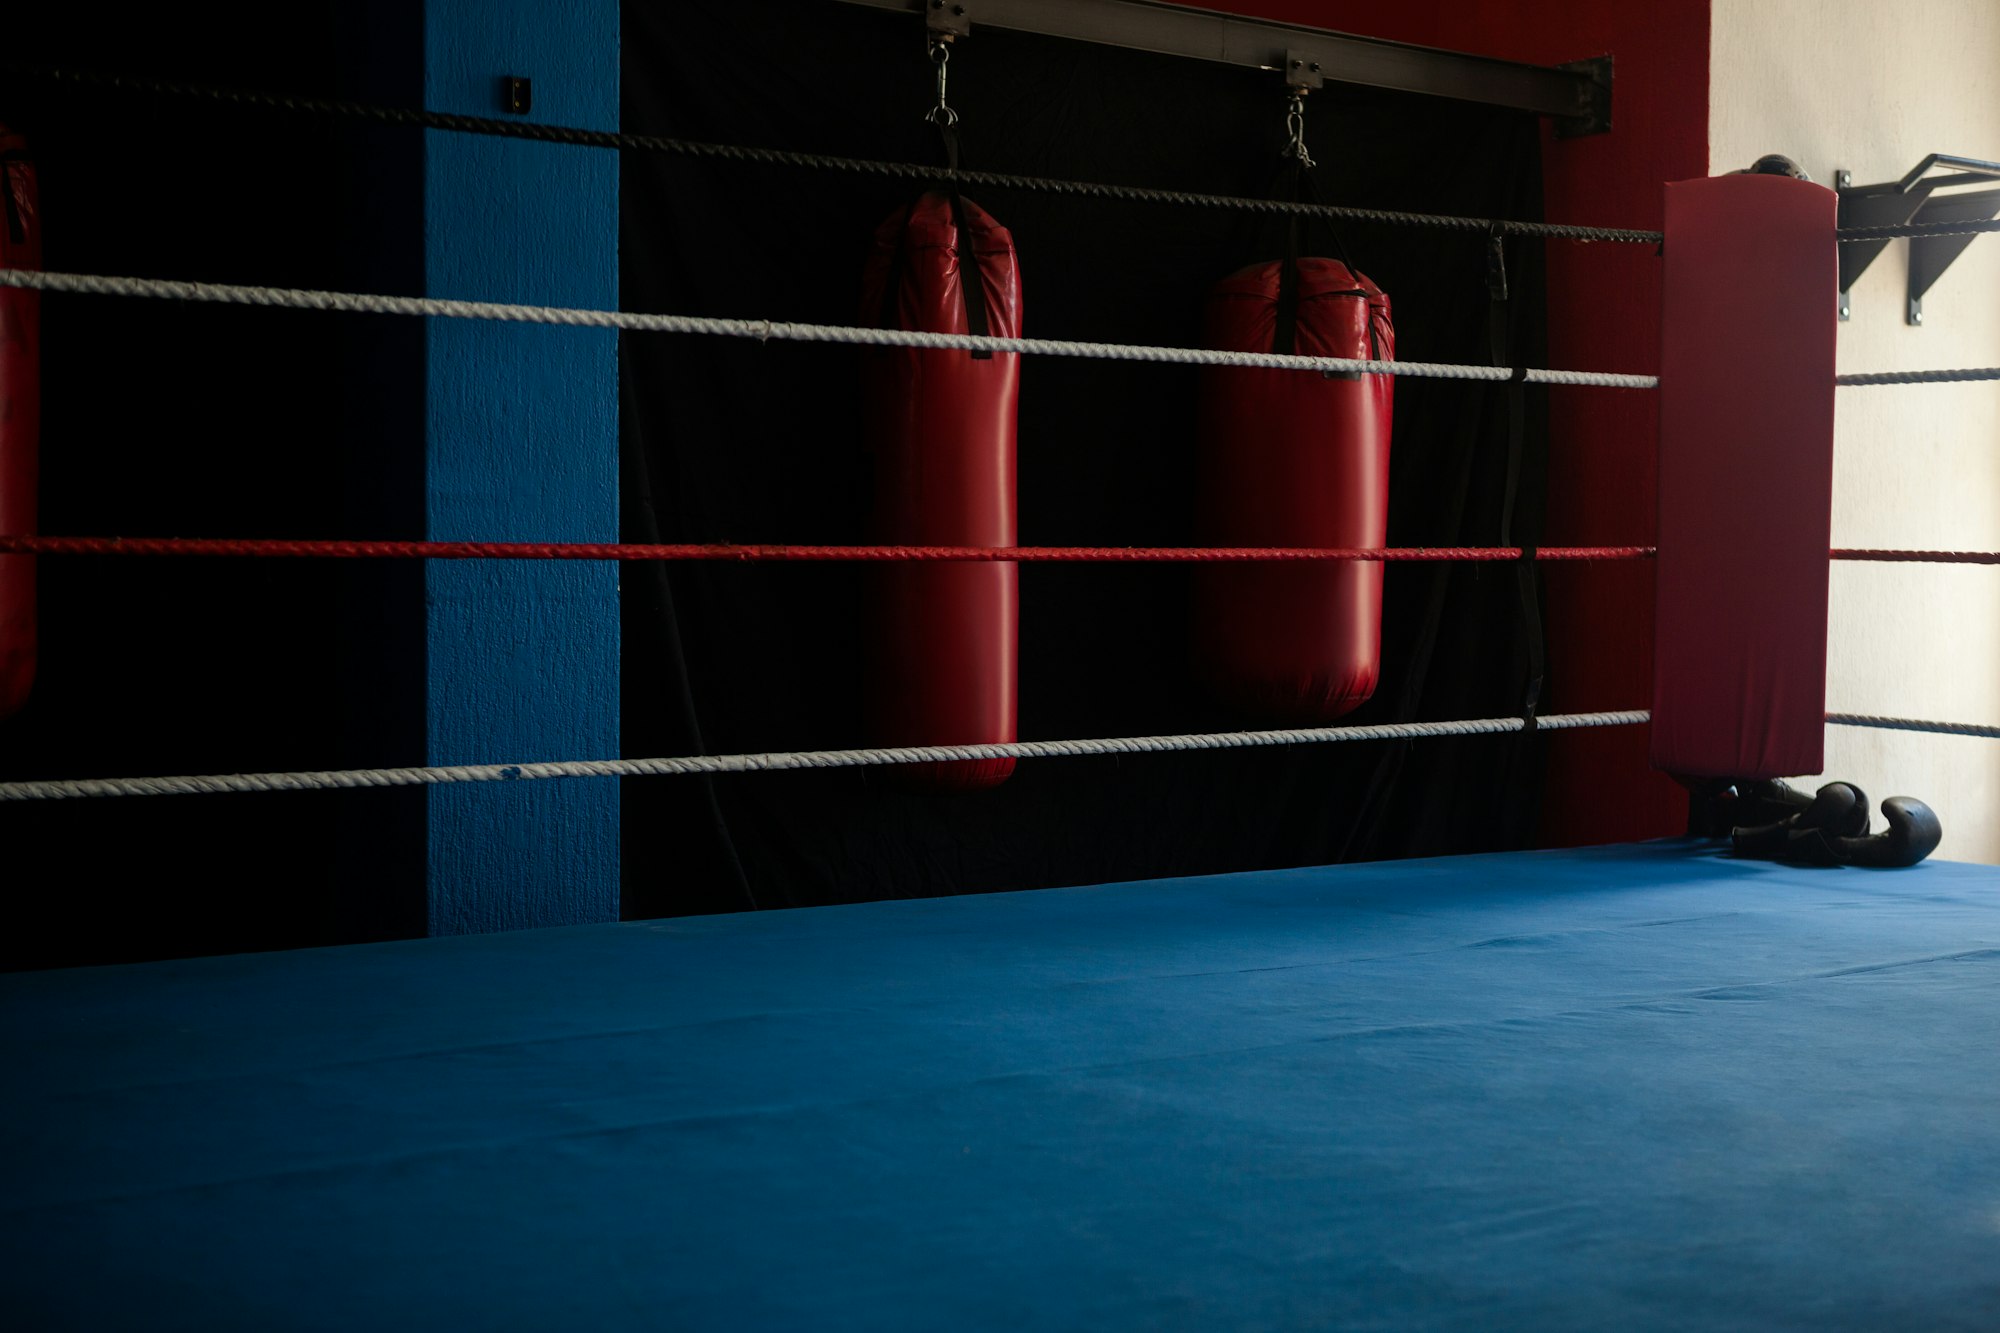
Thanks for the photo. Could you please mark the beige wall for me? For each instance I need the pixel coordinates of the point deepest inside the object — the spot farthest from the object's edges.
(1872, 87)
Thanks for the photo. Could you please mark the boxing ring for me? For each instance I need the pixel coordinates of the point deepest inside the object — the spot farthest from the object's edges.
(1652, 1086)
(1648, 1086)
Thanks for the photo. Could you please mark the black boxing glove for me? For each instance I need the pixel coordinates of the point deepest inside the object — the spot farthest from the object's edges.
(1838, 810)
(1716, 806)
(1913, 834)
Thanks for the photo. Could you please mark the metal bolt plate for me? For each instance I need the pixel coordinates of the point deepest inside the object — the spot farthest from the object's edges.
(948, 18)
(1302, 70)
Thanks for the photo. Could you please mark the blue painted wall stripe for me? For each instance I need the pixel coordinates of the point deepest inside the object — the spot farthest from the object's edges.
(522, 444)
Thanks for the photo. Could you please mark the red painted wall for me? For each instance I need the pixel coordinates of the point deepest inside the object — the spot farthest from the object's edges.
(1604, 303)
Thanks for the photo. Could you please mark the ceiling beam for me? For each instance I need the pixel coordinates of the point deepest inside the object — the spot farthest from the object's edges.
(1578, 96)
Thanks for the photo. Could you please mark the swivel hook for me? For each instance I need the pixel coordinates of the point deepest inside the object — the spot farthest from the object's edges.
(941, 114)
(1295, 129)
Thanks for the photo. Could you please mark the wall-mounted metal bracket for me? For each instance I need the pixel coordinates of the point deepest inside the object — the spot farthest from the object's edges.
(948, 19)
(1930, 256)
(1843, 180)
(1914, 198)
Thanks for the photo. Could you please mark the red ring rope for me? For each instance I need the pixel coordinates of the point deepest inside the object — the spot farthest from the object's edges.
(356, 550)
(1924, 557)
(364, 550)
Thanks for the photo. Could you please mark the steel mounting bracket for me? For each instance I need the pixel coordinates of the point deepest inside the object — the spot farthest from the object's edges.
(1302, 71)
(947, 20)
(1593, 115)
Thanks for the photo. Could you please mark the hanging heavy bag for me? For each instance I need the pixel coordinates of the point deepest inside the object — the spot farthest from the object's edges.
(940, 425)
(1294, 458)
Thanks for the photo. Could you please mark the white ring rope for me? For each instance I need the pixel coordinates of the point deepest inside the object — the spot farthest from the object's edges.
(766, 330)
(291, 298)
(345, 779)
(763, 330)
(72, 789)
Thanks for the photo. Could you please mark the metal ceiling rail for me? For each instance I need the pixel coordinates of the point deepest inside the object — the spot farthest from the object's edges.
(1578, 96)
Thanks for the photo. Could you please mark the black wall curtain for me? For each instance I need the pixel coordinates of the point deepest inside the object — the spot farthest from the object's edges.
(162, 418)
(175, 419)
(733, 441)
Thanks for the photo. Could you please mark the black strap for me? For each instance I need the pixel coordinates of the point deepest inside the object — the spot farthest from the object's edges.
(1308, 193)
(1296, 182)
(17, 230)
(1496, 268)
(1285, 338)
(1499, 320)
(651, 595)
(971, 277)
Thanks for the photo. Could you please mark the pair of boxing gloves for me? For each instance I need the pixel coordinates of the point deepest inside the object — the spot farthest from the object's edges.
(1777, 822)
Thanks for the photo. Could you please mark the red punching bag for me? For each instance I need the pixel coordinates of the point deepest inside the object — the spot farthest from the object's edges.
(940, 425)
(20, 417)
(1294, 458)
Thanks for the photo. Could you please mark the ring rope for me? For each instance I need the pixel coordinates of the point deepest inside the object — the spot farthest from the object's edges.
(293, 298)
(349, 779)
(327, 108)
(768, 330)
(777, 553)
(1914, 724)
(1898, 230)
(1921, 557)
(1919, 377)
(563, 134)
(715, 551)
(77, 788)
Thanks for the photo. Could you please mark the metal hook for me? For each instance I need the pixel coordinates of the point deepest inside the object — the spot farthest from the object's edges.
(1295, 129)
(941, 114)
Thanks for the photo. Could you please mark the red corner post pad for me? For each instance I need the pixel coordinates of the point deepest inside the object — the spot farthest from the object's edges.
(1746, 477)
